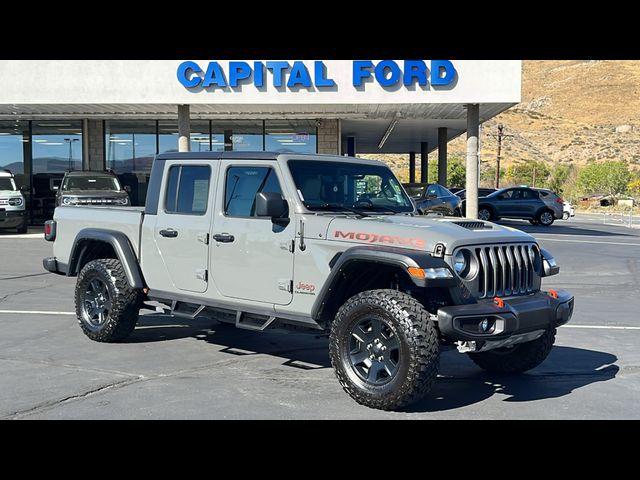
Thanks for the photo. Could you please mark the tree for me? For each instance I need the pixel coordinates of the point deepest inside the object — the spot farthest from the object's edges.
(456, 172)
(529, 172)
(610, 178)
(634, 187)
(559, 177)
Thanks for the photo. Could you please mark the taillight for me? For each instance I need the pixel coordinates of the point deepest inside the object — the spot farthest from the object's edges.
(559, 200)
(50, 230)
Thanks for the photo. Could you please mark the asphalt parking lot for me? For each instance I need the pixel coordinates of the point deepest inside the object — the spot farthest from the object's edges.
(169, 369)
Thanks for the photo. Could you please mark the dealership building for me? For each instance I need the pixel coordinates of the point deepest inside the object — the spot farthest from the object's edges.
(57, 115)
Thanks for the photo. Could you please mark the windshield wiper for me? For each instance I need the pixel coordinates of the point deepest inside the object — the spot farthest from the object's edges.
(334, 206)
(370, 206)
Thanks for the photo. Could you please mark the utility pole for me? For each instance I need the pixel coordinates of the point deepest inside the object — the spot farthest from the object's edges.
(499, 136)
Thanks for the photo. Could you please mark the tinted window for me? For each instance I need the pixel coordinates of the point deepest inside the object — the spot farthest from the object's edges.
(242, 185)
(528, 194)
(91, 183)
(6, 183)
(415, 191)
(188, 189)
(433, 190)
(506, 195)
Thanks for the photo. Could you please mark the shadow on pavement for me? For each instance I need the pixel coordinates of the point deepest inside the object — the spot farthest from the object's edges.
(461, 383)
(565, 370)
(300, 350)
(562, 229)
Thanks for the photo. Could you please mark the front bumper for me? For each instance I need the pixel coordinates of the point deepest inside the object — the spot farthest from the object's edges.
(12, 218)
(518, 315)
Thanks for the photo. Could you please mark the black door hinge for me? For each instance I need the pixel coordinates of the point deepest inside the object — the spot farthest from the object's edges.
(292, 247)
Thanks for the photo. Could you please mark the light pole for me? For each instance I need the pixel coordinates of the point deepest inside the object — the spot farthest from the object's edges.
(500, 135)
(71, 140)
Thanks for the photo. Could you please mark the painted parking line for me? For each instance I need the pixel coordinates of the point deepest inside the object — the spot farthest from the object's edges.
(26, 235)
(587, 241)
(35, 312)
(40, 312)
(601, 327)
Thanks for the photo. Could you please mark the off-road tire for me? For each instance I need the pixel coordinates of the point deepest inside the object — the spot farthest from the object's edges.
(125, 301)
(22, 229)
(545, 214)
(519, 358)
(418, 346)
(457, 212)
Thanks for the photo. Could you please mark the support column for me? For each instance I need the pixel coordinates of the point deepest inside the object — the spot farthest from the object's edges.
(442, 156)
(94, 142)
(473, 121)
(424, 162)
(351, 146)
(184, 128)
(412, 167)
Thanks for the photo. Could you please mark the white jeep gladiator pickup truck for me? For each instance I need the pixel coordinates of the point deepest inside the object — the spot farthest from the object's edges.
(326, 242)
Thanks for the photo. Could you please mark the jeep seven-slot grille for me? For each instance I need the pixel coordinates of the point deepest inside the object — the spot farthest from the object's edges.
(505, 270)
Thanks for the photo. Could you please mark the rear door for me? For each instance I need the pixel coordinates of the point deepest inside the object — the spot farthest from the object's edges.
(530, 202)
(182, 227)
(252, 257)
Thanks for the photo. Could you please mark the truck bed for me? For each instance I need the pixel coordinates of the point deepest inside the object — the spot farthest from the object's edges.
(71, 220)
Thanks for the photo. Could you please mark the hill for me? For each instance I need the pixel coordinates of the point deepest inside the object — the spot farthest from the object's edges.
(573, 111)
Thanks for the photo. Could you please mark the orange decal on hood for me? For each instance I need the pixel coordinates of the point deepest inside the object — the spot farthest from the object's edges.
(384, 239)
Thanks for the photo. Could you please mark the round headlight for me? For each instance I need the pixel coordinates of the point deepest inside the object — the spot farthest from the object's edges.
(15, 202)
(459, 262)
(66, 200)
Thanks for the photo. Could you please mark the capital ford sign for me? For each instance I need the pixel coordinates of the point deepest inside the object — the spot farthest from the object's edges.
(298, 74)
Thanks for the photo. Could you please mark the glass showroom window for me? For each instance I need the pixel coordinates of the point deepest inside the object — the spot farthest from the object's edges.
(130, 148)
(237, 135)
(200, 140)
(14, 144)
(294, 136)
(56, 146)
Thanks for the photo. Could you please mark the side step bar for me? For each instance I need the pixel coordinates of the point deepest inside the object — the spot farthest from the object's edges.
(248, 321)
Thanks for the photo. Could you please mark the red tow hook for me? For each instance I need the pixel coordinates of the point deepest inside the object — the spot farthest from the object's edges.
(553, 294)
(499, 302)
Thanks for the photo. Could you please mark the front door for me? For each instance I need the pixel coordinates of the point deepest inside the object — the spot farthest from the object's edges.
(182, 227)
(251, 257)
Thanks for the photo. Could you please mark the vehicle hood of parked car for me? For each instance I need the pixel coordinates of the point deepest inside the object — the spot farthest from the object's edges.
(94, 193)
(10, 193)
(421, 232)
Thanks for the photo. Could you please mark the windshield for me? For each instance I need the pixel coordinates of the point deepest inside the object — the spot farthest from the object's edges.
(415, 191)
(326, 185)
(7, 183)
(91, 183)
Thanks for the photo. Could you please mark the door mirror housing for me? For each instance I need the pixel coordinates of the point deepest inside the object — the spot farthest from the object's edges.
(24, 188)
(127, 188)
(271, 204)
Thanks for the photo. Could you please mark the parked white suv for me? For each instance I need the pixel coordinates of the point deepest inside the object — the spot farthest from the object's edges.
(12, 205)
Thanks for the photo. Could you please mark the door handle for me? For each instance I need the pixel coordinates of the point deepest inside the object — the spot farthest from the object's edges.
(169, 233)
(223, 238)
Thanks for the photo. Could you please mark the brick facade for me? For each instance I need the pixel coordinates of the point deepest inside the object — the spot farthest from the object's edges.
(329, 137)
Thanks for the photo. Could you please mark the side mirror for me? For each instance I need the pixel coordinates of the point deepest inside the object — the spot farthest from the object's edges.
(270, 204)
(127, 188)
(24, 188)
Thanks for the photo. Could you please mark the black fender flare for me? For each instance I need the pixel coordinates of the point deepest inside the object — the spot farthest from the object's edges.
(121, 246)
(400, 257)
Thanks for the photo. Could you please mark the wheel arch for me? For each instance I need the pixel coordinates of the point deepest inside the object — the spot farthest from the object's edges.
(93, 243)
(371, 267)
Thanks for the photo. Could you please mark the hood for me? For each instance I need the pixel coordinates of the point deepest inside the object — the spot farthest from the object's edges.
(10, 193)
(420, 232)
(94, 193)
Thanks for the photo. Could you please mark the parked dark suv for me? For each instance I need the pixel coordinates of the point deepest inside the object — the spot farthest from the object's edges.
(431, 197)
(518, 202)
(91, 188)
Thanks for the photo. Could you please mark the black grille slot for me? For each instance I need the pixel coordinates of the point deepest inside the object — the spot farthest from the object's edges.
(506, 270)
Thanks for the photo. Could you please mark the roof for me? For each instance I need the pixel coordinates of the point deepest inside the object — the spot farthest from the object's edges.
(5, 173)
(262, 156)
